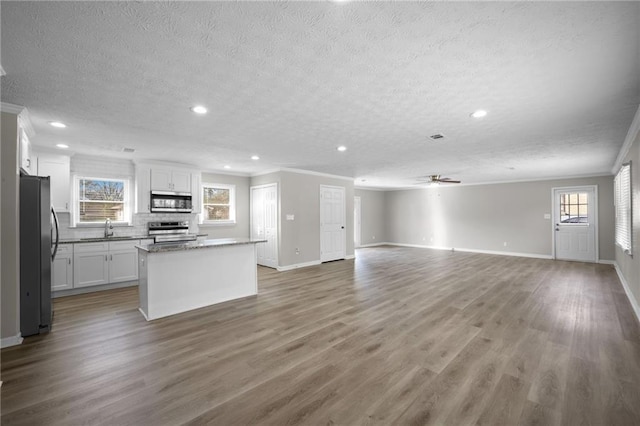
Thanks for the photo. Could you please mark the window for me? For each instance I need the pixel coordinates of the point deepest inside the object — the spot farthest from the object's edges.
(98, 199)
(622, 200)
(218, 203)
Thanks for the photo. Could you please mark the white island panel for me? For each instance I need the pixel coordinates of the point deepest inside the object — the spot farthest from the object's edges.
(175, 281)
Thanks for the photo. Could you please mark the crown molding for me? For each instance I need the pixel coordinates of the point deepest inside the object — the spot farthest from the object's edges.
(632, 134)
(302, 172)
(23, 116)
(11, 108)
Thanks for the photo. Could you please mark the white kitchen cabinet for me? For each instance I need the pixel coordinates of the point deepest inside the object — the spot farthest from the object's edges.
(165, 179)
(196, 192)
(123, 261)
(105, 263)
(90, 264)
(26, 161)
(62, 268)
(59, 169)
(143, 188)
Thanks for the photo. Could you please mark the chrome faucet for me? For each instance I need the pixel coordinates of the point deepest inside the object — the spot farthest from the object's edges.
(107, 226)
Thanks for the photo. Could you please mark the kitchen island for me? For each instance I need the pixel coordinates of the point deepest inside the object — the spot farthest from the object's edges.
(175, 278)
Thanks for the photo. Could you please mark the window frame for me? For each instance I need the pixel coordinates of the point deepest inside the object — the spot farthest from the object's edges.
(623, 206)
(127, 204)
(232, 204)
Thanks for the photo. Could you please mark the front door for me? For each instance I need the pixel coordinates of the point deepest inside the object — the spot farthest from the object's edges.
(332, 223)
(575, 219)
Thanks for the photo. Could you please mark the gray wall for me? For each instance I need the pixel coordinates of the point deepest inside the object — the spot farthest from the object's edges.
(483, 217)
(9, 226)
(630, 266)
(299, 194)
(241, 228)
(373, 222)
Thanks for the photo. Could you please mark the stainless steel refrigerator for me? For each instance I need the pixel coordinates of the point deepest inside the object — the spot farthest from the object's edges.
(38, 247)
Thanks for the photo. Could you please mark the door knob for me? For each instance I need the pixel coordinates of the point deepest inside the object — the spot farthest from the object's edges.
(557, 229)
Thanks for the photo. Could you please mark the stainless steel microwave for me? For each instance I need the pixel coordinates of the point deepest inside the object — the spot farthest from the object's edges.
(170, 202)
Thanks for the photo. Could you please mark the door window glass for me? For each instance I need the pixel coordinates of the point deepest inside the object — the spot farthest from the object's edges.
(574, 207)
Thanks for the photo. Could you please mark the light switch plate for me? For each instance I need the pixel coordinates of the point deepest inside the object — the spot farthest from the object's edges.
(291, 217)
(547, 216)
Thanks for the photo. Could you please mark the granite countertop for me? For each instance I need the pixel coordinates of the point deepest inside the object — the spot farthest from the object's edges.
(194, 245)
(103, 239)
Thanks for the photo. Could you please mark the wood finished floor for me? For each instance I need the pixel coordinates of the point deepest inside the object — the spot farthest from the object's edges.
(398, 336)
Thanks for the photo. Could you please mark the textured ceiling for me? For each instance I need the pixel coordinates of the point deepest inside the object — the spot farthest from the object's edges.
(292, 81)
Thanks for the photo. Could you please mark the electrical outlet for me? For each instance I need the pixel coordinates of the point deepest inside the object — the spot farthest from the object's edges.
(505, 243)
(373, 237)
(297, 251)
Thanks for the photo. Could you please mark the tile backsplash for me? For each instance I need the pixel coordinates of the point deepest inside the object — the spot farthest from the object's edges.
(139, 226)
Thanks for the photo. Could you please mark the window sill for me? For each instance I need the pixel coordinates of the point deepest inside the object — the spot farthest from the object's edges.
(225, 223)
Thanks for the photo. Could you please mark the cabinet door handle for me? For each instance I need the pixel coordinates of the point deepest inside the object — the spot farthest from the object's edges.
(28, 162)
(105, 258)
(69, 261)
(111, 257)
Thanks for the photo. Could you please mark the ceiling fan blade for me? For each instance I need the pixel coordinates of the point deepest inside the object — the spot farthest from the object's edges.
(447, 180)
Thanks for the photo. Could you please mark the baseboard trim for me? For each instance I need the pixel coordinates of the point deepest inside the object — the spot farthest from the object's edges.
(607, 262)
(467, 250)
(350, 256)
(11, 341)
(627, 290)
(372, 245)
(84, 290)
(297, 265)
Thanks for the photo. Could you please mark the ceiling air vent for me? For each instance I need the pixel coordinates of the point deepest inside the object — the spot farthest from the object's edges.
(437, 136)
(128, 150)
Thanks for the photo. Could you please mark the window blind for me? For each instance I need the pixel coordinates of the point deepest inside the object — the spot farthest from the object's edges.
(622, 198)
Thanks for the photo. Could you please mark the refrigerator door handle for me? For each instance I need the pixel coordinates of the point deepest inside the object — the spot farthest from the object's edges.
(55, 221)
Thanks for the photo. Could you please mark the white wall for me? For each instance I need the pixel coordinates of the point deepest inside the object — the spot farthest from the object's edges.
(629, 266)
(483, 217)
(241, 228)
(9, 229)
(374, 227)
(299, 195)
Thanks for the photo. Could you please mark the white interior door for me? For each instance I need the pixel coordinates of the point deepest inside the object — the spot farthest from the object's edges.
(575, 219)
(264, 223)
(357, 222)
(332, 223)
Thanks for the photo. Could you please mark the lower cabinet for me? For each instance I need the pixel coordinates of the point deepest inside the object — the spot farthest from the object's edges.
(62, 268)
(104, 263)
(90, 264)
(123, 261)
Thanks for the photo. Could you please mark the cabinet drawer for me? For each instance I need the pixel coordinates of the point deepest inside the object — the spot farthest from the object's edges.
(65, 249)
(123, 245)
(91, 247)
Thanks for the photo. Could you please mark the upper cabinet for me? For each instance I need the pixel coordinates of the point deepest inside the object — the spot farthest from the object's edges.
(58, 167)
(26, 162)
(165, 179)
(143, 187)
(153, 177)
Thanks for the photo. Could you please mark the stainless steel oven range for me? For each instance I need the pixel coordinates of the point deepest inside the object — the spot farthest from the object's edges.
(171, 232)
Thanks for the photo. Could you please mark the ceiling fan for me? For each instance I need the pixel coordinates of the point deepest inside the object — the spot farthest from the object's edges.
(436, 179)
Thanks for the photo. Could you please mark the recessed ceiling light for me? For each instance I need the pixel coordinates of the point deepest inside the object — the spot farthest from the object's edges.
(255, 157)
(479, 113)
(342, 148)
(62, 145)
(199, 109)
(227, 167)
(58, 124)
